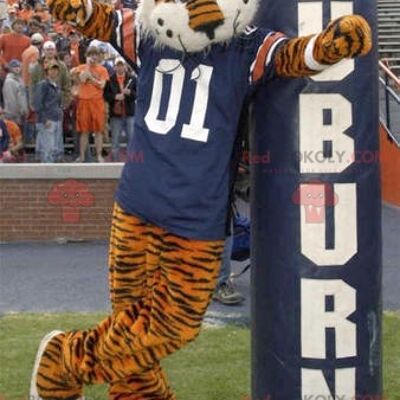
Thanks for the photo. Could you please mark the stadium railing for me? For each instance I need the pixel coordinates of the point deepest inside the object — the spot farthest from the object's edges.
(389, 100)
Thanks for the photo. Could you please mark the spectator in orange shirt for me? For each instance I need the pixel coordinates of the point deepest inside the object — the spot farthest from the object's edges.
(13, 44)
(11, 144)
(26, 13)
(90, 113)
(30, 56)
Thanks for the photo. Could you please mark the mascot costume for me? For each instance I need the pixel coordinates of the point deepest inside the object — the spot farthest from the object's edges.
(197, 61)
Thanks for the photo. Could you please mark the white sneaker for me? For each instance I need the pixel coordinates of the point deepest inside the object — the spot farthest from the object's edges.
(227, 294)
(33, 394)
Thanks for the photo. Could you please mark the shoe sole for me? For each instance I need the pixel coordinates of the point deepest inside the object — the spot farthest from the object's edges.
(33, 394)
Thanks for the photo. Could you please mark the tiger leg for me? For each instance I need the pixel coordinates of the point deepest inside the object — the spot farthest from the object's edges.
(127, 258)
(134, 263)
(66, 354)
(150, 384)
(182, 286)
(131, 279)
(180, 276)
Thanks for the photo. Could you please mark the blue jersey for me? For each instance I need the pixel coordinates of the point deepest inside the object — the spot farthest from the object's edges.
(177, 172)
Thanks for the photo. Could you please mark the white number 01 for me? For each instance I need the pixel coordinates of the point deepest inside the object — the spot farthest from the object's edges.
(195, 130)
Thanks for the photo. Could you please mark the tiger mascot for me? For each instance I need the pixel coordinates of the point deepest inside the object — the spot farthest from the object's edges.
(197, 60)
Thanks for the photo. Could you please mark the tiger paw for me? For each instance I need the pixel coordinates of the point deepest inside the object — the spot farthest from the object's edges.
(74, 12)
(346, 37)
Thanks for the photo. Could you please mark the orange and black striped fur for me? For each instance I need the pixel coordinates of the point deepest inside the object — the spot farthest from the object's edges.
(204, 15)
(346, 37)
(160, 286)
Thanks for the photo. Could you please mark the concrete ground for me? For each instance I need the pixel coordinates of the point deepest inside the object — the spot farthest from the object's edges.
(56, 277)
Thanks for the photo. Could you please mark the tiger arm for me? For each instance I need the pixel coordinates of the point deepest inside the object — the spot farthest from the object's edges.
(346, 37)
(92, 19)
(99, 21)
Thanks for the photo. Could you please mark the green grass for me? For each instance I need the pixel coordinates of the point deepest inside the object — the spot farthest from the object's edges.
(391, 355)
(216, 366)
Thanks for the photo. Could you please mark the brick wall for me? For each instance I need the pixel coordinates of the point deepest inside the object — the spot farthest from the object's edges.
(49, 206)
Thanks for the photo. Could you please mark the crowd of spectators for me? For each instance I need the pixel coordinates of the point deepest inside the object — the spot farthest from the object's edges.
(62, 96)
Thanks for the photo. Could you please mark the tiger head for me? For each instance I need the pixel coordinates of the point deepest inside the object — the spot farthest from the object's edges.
(194, 25)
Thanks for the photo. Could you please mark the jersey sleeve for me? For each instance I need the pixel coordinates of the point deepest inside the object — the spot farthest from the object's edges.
(125, 38)
(265, 45)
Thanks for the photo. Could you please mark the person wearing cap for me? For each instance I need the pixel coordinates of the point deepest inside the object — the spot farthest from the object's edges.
(13, 44)
(63, 79)
(120, 94)
(90, 112)
(47, 100)
(39, 71)
(14, 95)
(50, 49)
(30, 56)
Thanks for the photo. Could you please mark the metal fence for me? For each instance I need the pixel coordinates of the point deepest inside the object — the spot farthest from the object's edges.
(389, 101)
